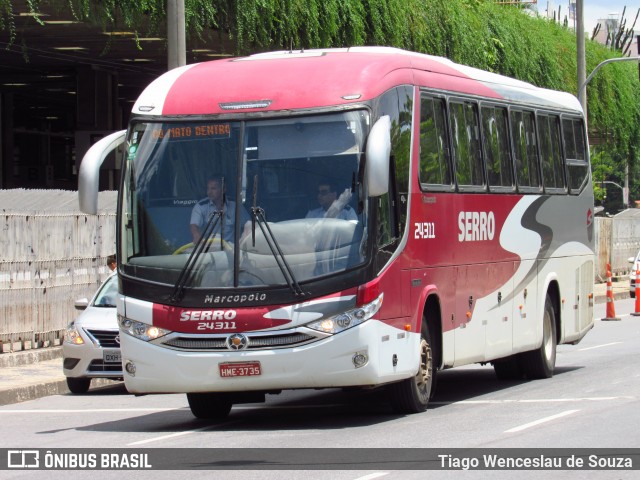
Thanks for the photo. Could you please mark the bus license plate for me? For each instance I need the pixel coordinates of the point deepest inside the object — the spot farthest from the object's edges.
(111, 356)
(240, 369)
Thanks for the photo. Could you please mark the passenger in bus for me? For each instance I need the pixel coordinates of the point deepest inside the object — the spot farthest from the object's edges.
(332, 205)
(216, 201)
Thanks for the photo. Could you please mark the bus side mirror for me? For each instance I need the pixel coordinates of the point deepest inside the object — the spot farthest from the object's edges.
(378, 153)
(89, 175)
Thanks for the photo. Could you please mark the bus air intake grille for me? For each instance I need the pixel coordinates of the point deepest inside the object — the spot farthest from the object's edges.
(254, 342)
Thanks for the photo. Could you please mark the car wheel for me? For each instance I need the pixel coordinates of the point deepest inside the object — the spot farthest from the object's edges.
(78, 385)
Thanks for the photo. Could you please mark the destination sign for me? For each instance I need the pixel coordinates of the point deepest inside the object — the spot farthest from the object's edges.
(217, 130)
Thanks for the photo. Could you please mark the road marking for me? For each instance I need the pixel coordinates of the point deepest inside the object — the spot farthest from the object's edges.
(180, 434)
(173, 435)
(533, 400)
(538, 422)
(93, 410)
(371, 476)
(598, 346)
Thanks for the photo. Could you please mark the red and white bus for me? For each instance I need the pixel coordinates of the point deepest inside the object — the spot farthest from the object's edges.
(384, 215)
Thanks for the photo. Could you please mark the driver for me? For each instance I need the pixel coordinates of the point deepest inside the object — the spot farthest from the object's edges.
(216, 201)
(332, 205)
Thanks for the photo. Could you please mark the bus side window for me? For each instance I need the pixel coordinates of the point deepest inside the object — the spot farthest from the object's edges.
(467, 154)
(435, 162)
(575, 151)
(495, 132)
(525, 148)
(551, 153)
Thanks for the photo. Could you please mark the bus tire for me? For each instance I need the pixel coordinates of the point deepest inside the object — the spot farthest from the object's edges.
(209, 406)
(78, 385)
(412, 394)
(541, 362)
(508, 368)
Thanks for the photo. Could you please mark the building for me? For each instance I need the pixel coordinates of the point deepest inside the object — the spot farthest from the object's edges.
(65, 84)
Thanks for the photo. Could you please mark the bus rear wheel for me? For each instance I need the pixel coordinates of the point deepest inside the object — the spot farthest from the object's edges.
(412, 394)
(541, 362)
(209, 406)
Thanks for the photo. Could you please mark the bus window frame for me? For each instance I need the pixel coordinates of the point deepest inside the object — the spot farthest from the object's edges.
(510, 153)
(574, 161)
(552, 190)
(436, 187)
(525, 189)
(466, 188)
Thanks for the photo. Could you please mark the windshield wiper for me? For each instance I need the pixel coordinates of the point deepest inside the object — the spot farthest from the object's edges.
(257, 215)
(198, 248)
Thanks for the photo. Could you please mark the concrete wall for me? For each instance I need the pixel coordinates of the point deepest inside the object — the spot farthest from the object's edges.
(52, 255)
(617, 239)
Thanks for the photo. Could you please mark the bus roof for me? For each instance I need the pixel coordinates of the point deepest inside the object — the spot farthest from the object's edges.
(284, 81)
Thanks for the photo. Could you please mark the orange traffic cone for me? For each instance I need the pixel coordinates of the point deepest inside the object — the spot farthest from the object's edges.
(611, 309)
(637, 309)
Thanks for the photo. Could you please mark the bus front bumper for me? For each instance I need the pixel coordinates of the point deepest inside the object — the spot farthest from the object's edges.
(391, 355)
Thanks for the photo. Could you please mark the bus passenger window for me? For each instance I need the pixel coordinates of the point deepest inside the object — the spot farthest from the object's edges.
(574, 144)
(467, 155)
(550, 152)
(435, 164)
(496, 146)
(526, 150)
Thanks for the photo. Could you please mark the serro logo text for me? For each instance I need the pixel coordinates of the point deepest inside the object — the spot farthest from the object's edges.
(199, 315)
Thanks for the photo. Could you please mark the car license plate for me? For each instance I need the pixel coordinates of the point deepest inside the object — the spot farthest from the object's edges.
(239, 369)
(111, 356)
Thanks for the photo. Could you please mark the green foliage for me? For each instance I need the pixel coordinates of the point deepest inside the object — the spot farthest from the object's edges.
(505, 39)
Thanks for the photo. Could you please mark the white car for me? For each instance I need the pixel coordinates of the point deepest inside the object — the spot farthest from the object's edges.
(632, 274)
(91, 347)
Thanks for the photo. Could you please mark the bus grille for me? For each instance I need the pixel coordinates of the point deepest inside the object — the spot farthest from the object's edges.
(105, 338)
(255, 342)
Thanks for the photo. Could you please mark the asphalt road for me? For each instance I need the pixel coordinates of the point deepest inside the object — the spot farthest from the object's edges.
(591, 402)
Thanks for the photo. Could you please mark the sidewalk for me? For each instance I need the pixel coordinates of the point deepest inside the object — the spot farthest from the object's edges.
(620, 290)
(38, 373)
(34, 374)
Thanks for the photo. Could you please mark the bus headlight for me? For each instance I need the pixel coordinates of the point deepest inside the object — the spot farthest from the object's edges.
(141, 330)
(349, 319)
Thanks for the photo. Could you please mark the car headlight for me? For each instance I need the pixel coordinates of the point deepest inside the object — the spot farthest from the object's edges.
(141, 330)
(349, 319)
(72, 335)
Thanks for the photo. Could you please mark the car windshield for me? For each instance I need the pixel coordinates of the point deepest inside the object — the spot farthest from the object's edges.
(255, 203)
(106, 296)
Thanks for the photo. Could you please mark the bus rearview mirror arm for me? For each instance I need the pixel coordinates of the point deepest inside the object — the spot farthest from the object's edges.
(378, 153)
(89, 175)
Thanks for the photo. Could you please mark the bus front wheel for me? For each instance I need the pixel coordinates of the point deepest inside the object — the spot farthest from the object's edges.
(412, 394)
(209, 406)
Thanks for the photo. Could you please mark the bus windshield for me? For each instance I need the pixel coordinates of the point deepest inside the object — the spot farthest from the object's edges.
(244, 203)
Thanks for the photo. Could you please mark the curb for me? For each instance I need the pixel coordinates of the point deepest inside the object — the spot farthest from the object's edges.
(40, 390)
(53, 385)
(29, 357)
(616, 296)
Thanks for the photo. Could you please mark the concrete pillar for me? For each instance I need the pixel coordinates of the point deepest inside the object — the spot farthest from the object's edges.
(6, 140)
